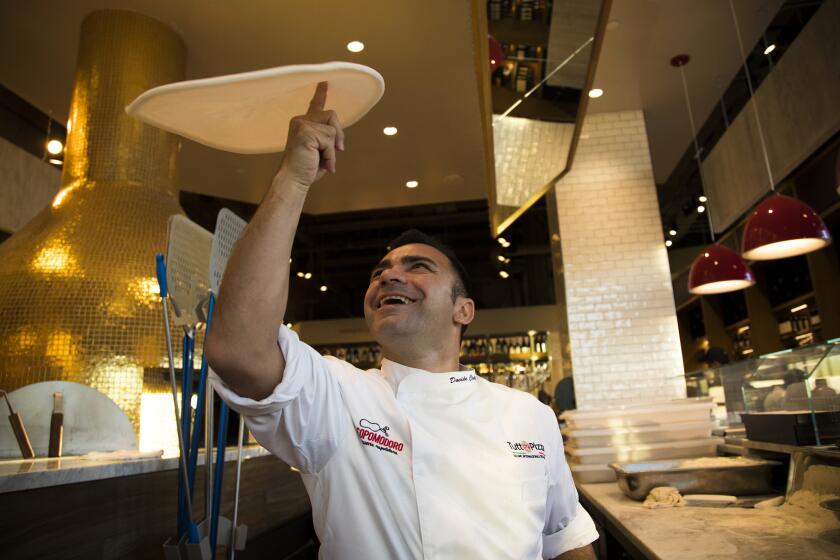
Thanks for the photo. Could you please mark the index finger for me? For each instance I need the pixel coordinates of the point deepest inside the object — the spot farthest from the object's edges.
(319, 99)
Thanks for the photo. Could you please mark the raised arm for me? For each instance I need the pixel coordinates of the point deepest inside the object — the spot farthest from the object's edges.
(242, 343)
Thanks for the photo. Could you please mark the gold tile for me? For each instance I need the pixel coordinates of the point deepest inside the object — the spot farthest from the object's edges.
(78, 294)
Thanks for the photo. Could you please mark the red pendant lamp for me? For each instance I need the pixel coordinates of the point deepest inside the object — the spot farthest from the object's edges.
(497, 54)
(717, 269)
(780, 226)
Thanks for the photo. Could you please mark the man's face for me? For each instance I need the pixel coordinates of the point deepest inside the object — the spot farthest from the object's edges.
(410, 293)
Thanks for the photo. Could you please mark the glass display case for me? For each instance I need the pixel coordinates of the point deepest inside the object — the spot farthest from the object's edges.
(791, 397)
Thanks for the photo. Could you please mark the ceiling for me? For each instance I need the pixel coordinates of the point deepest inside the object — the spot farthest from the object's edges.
(425, 52)
(423, 49)
(635, 73)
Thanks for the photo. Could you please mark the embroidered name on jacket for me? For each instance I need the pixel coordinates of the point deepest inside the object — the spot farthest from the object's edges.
(374, 435)
(527, 450)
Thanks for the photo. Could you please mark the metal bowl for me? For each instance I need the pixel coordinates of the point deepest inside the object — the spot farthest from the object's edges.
(636, 480)
(833, 506)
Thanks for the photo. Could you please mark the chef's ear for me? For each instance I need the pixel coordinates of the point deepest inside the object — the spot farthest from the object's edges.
(464, 311)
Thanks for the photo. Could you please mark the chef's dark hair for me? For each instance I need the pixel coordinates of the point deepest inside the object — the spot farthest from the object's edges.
(462, 286)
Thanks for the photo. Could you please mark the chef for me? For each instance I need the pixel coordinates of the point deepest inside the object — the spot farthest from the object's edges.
(418, 459)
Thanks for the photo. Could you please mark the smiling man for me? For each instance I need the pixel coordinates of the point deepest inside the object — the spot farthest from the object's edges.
(418, 459)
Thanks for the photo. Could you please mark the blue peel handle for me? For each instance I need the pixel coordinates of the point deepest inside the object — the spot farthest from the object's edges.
(161, 275)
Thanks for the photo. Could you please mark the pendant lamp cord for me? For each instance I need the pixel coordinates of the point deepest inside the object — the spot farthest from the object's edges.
(544, 80)
(696, 148)
(49, 133)
(752, 97)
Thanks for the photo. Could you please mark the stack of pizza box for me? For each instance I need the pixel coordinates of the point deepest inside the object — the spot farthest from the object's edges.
(673, 429)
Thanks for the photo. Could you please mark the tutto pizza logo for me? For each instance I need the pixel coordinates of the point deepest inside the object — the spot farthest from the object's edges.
(374, 435)
(527, 449)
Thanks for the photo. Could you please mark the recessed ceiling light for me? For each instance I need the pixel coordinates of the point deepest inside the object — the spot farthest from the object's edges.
(323, 287)
(308, 275)
(702, 198)
(290, 325)
(672, 232)
(389, 130)
(355, 46)
(411, 184)
(300, 274)
(503, 273)
(668, 242)
(595, 93)
(56, 161)
(54, 147)
(701, 209)
(501, 240)
(770, 48)
(501, 258)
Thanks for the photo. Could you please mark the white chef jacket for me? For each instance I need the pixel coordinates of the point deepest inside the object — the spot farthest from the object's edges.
(403, 463)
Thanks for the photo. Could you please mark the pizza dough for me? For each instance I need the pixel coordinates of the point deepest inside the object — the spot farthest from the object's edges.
(664, 497)
(249, 113)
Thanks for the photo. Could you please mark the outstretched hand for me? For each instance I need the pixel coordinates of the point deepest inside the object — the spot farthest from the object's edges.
(313, 141)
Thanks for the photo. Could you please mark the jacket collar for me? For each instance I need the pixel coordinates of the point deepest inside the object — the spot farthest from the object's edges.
(413, 384)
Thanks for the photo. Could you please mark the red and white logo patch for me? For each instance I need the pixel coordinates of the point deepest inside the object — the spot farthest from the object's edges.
(373, 435)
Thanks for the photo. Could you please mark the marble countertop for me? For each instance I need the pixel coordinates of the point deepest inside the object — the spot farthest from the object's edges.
(27, 474)
(695, 533)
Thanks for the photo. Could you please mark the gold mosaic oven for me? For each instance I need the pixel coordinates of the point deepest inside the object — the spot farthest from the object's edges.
(78, 296)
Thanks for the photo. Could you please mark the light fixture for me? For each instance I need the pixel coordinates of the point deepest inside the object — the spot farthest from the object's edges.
(389, 130)
(323, 287)
(55, 161)
(308, 275)
(672, 232)
(55, 147)
(802, 307)
(504, 273)
(501, 258)
(780, 226)
(501, 240)
(411, 184)
(595, 93)
(496, 52)
(300, 274)
(770, 48)
(668, 242)
(702, 198)
(355, 46)
(717, 269)
(290, 325)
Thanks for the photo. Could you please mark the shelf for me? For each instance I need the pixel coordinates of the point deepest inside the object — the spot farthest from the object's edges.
(798, 300)
(829, 451)
(517, 32)
(738, 325)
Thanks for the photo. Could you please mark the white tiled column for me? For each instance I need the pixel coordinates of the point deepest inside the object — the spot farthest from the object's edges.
(625, 343)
